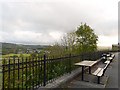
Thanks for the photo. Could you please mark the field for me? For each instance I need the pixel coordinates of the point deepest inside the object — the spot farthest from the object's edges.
(10, 55)
(5, 56)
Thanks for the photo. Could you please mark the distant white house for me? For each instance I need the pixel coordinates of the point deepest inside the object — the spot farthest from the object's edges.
(20, 51)
(33, 51)
(29, 51)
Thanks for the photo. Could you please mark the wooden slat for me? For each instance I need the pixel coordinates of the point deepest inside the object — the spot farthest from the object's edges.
(108, 55)
(110, 58)
(106, 65)
(103, 57)
(86, 63)
(97, 71)
(107, 62)
(100, 73)
(112, 55)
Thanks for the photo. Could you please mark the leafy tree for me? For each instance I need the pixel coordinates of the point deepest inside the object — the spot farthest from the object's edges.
(82, 40)
(21, 55)
(86, 38)
(54, 50)
(68, 42)
(33, 55)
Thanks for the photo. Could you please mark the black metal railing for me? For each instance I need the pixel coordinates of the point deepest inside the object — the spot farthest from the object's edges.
(31, 73)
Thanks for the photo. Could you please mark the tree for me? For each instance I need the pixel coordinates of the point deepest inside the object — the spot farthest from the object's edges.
(81, 40)
(33, 55)
(68, 42)
(21, 55)
(86, 38)
(54, 50)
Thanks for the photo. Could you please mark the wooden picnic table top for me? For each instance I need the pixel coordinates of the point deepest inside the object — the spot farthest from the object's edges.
(86, 63)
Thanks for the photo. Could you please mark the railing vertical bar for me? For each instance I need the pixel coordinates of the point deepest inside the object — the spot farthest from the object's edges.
(32, 73)
(3, 78)
(44, 84)
(36, 73)
(18, 73)
(26, 71)
(13, 72)
(39, 71)
(50, 64)
(54, 70)
(9, 73)
(70, 62)
(47, 70)
(42, 74)
(22, 73)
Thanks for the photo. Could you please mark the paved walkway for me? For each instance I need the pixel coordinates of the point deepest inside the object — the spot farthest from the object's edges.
(111, 72)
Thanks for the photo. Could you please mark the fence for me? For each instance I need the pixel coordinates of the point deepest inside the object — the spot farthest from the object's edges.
(31, 73)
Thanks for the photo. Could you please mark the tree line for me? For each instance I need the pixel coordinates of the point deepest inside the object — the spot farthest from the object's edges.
(83, 39)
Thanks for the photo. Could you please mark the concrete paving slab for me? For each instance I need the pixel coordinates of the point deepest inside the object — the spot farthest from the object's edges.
(90, 81)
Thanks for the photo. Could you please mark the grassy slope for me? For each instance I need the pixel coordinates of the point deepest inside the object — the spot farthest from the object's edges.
(25, 55)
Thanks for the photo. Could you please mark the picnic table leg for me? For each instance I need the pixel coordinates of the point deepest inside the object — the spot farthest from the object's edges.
(89, 70)
(82, 73)
(98, 80)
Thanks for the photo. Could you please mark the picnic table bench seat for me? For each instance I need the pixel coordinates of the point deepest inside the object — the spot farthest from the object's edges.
(108, 58)
(111, 58)
(97, 71)
(100, 71)
(112, 55)
(107, 61)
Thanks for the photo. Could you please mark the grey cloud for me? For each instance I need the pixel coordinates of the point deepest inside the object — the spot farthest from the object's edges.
(48, 17)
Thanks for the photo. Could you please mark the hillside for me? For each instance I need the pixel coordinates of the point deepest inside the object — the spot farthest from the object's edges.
(16, 48)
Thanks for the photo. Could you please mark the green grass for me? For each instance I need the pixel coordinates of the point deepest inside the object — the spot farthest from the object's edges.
(10, 55)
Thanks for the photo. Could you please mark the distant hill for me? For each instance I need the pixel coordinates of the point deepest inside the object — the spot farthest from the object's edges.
(15, 48)
(104, 48)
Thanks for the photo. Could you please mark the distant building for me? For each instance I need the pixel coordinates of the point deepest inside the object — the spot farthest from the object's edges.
(20, 51)
(116, 46)
(29, 51)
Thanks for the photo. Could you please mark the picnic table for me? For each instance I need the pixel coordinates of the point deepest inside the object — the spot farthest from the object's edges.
(86, 63)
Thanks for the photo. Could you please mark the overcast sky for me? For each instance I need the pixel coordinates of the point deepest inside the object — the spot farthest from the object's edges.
(46, 21)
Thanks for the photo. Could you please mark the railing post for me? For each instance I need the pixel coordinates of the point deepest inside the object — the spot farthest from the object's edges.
(70, 63)
(44, 81)
(3, 74)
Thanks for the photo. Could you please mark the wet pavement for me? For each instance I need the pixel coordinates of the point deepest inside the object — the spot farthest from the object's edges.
(109, 80)
(112, 72)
